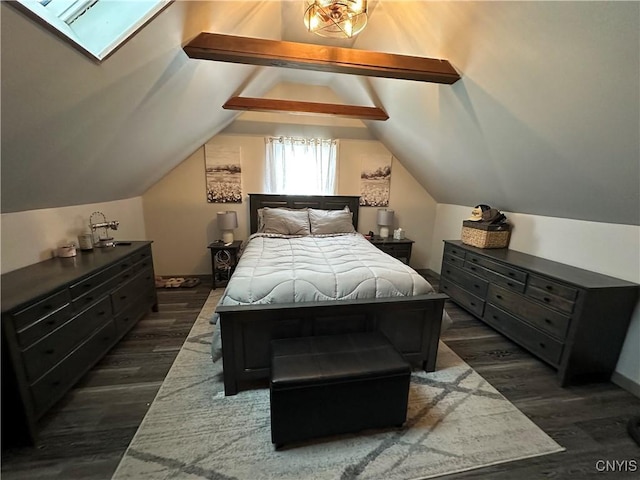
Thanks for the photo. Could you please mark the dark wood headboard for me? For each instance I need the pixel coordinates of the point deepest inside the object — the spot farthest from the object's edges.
(328, 202)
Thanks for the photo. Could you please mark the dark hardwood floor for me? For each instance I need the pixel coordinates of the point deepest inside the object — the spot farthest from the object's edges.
(87, 432)
(85, 435)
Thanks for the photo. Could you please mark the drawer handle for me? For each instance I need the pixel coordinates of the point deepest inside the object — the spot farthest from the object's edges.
(87, 285)
(473, 304)
(106, 338)
(55, 383)
(542, 345)
(126, 276)
(448, 271)
(122, 297)
(124, 265)
(476, 286)
(499, 297)
(473, 268)
(495, 317)
(445, 287)
(47, 307)
(509, 284)
(50, 351)
(547, 321)
(546, 299)
(51, 322)
(102, 313)
(474, 260)
(148, 277)
(511, 274)
(89, 299)
(549, 287)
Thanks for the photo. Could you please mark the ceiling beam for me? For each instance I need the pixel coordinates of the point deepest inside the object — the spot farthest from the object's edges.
(308, 108)
(274, 53)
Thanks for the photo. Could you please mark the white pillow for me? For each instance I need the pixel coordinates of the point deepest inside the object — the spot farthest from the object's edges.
(331, 221)
(285, 221)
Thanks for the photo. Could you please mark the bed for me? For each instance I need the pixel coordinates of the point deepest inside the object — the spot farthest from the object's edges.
(293, 284)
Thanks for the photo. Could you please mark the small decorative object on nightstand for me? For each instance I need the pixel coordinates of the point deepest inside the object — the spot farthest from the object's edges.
(400, 249)
(224, 258)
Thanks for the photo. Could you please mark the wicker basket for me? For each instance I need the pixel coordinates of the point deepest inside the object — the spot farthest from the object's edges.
(485, 236)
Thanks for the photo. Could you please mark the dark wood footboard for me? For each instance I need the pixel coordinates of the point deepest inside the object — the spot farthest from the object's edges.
(412, 324)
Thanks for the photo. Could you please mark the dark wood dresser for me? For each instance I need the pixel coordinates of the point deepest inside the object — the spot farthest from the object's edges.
(573, 319)
(59, 318)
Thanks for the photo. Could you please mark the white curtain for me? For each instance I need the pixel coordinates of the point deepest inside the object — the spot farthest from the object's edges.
(300, 165)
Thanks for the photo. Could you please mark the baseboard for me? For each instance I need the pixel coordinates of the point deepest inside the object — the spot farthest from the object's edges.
(626, 383)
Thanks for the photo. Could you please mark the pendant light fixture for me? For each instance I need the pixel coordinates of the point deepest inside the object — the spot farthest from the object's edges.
(336, 18)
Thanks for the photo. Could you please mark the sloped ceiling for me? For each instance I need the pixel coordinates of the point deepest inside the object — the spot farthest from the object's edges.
(545, 120)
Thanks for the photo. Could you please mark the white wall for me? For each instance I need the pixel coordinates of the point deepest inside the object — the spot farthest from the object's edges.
(610, 249)
(32, 236)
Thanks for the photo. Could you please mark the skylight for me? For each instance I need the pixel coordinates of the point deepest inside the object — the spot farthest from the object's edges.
(96, 27)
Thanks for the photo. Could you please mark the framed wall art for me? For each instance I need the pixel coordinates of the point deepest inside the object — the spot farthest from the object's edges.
(223, 167)
(375, 180)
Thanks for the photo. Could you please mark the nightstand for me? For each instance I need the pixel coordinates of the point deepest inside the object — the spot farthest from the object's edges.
(224, 259)
(400, 249)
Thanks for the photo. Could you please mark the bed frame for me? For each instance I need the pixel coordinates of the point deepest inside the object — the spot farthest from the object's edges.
(412, 324)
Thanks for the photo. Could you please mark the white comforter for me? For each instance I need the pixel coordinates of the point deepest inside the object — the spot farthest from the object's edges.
(281, 269)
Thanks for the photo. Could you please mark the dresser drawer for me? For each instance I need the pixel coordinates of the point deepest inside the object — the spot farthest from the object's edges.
(500, 268)
(44, 326)
(472, 283)
(553, 301)
(455, 251)
(552, 293)
(535, 341)
(124, 276)
(131, 314)
(453, 260)
(472, 303)
(93, 282)
(44, 354)
(129, 291)
(396, 251)
(142, 259)
(494, 277)
(41, 309)
(550, 321)
(554, 288)
(92, 297)
(48, 389)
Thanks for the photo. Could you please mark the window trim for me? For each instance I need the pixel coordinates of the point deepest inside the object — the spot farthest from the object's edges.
(38, 13)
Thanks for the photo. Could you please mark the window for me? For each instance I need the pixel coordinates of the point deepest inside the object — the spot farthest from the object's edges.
(301, 165)
(95, 27)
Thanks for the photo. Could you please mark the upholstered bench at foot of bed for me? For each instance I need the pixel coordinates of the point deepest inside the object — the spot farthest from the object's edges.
(334, 384)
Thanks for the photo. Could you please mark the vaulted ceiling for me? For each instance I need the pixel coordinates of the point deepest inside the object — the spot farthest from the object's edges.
(545, 120)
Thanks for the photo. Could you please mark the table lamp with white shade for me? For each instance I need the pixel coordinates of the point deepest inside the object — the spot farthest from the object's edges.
(385, 220)
(227, 222)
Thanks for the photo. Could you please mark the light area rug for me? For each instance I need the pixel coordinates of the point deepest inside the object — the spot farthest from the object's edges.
(456, 422)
